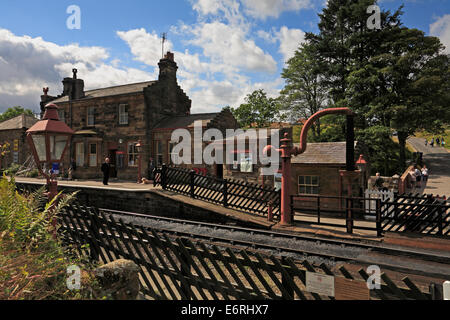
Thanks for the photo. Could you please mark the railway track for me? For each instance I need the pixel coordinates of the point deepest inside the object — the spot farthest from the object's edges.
(313, 248)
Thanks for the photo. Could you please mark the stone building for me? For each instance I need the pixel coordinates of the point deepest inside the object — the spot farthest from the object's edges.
(109, 122)
(13, 132)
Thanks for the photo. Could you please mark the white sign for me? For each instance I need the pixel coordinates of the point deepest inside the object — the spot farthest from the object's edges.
(446, 290)
(320, 284)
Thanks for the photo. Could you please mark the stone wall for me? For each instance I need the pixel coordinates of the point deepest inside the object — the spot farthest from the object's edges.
(107, 133)
(24, 150)
(153, 202)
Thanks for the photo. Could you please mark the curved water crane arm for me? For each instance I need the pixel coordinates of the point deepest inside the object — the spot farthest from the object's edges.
(314, 118)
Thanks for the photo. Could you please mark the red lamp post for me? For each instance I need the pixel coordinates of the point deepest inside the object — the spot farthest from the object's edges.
(139, 150)
(48, 140)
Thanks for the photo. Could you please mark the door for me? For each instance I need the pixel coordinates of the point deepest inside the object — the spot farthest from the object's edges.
(219, 171)
(113, 164)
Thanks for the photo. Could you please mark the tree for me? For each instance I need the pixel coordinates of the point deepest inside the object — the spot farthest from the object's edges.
(345, 41)
(409, 79)
(305, 92)
(259, 110)
(14, 112)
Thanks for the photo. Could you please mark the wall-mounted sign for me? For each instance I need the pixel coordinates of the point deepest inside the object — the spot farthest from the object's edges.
(15, 157)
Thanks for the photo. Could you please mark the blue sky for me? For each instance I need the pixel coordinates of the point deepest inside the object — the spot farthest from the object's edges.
(225, 49)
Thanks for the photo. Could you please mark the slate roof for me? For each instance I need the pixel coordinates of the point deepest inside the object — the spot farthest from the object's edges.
(19, 122)
(322, 153)
(111, 91)
(186, 121)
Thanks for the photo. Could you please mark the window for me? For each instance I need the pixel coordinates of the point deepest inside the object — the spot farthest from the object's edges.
(158, 153)
(246, 163)
(132, 154)
(175, 156)
(92, 154)
(123, 114)
(79, 154)
(91, 116)
(61, 115)
(308, 185)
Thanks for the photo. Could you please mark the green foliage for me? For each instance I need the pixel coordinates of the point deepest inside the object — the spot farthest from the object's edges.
(383, 150)
(259, 110)
(305, 91)
(12, 169)
(33, 262)
(14, 112)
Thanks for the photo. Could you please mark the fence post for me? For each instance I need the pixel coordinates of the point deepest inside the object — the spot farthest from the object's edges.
(318, 209)
(378, 210)
(441, 213)
(349, 218)
(192, 183)
(285, 282)
(164, 176)
(225, 193)
(270, 211)
(185, 268)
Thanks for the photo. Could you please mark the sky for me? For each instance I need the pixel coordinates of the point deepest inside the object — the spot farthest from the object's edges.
(225, 49)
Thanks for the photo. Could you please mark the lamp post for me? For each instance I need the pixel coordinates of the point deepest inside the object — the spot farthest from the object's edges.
(139, 151)
(48, 140)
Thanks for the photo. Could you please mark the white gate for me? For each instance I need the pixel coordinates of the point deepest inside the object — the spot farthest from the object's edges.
(371, 203)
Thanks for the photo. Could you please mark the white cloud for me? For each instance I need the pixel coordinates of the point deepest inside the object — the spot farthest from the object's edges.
(28, 64)
(234, 49)
(290, 40)
(146, 47)
(441, 29)
(263, 9)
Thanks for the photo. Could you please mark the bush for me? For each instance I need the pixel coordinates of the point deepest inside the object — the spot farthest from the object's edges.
(12, 169)
(34, 263)
(32, 174)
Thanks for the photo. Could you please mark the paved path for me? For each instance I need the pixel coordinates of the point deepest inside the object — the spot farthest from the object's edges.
(437, 160)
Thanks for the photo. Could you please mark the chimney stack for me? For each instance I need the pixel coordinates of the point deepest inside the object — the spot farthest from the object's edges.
(168, 68)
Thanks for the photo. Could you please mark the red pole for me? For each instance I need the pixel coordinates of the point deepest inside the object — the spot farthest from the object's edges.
(286, 216)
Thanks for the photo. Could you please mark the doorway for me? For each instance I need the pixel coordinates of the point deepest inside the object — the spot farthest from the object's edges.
(219, 171)
(112, 163)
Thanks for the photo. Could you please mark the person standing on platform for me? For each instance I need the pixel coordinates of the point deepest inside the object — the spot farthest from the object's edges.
(105, 169)
(425, 173)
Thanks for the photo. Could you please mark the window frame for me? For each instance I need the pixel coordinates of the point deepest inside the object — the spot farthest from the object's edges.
(125, 106)
(135, 154)
(76, 154)
(309, 185)
(158, 152)
(90, 144)
(63, 113)
(88, 117)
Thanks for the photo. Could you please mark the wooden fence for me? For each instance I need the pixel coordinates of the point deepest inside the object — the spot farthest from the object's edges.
(416, 213)
(173, 267)
(241, 195)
